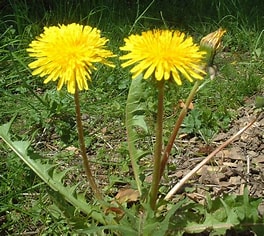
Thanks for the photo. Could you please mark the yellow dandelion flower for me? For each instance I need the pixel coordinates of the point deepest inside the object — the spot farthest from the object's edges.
(68, 53)
(164, 53)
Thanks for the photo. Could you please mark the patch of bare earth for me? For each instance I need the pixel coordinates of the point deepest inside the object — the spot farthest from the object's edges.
(237, 166)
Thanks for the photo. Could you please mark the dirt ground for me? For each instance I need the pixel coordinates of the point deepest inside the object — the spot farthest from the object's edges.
(237, 166)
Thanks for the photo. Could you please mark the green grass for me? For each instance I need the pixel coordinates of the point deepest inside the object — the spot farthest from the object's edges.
(46, 117)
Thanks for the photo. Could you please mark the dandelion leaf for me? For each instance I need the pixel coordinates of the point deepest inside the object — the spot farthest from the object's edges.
(134, 122)
(50, 175)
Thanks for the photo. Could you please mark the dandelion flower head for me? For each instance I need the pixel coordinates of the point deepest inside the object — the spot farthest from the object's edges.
(165, 54)
(213, 39)
(211, 43)
(67, 53)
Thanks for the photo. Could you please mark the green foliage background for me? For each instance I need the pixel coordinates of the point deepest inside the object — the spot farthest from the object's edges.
(47, 117)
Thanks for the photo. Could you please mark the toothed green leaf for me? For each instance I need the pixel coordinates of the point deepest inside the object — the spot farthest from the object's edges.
(49, 174)
(134, 120)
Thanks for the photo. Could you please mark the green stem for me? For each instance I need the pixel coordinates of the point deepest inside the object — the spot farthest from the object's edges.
(158, 147)
(86, 163)
(177, 126)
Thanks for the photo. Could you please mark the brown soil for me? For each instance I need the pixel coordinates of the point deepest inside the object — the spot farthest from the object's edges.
(237, 166)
